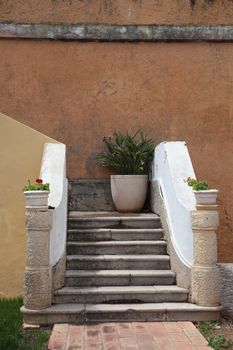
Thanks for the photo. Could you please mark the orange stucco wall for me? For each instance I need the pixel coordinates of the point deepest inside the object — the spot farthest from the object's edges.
(78, 92)
(117, 11)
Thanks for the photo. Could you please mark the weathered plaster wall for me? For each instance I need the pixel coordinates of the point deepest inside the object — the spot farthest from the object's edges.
(117, 11)
(21, 150)
(79, 92)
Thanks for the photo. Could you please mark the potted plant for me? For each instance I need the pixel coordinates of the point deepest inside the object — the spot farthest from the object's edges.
(37, 193)
(130, 156)
(203, 193)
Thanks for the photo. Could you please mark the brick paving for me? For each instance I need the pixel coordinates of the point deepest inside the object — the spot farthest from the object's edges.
(128, 336)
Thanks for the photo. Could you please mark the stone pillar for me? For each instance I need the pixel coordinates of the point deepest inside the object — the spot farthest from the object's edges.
(38, 272)
(205, 273)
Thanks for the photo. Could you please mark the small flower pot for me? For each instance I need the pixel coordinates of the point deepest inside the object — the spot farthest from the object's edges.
(206, 197)
(129, 192)
(36, 198)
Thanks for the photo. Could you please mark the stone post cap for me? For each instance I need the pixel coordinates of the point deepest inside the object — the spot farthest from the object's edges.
(207, 206)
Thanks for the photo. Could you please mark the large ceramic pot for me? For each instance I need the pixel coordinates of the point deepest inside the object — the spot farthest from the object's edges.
(206, 197)
(129, 192)
(36, 198)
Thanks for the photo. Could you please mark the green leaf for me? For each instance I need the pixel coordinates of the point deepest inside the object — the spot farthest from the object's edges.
(128, 154)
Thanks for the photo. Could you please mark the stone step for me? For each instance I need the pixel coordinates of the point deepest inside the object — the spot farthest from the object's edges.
(117, 247)
(112, 220)
(119, 262)
(108, 234)
(89, 194)
(123, 294)
(118, 277)
(80, 313)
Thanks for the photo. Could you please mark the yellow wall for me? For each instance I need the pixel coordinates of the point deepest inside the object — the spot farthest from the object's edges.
(21, 150)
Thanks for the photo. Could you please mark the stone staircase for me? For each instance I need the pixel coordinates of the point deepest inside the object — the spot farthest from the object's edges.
(117, 259)
(118, 269)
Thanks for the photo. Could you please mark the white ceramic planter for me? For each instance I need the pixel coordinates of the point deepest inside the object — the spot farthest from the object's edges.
(129, 192)
(36, 198)
(206, 197)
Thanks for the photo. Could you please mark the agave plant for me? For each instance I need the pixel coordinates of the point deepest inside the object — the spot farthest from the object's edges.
(128, 154)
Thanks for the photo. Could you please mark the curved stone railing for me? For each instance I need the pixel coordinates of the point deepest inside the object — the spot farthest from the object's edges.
(46, 233)
(174, 201)
(53, 171)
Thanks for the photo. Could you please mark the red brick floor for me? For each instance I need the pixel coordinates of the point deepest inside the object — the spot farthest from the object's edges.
(128, 336)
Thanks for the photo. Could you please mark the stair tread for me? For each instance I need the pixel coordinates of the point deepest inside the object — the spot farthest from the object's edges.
(115, 230)
(80, 215)
(142, 307)
(117, 243)
(120, 289)
(105, 257)
(119, 273)
(113, 220)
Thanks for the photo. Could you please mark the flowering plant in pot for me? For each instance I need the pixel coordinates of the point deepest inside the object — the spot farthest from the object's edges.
(36, 193)
(130, 156)
(203, 193)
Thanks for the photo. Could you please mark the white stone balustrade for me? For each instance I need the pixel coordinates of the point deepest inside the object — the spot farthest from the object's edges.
(174, 201)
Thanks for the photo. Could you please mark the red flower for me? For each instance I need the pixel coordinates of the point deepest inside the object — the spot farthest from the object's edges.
(39, 181)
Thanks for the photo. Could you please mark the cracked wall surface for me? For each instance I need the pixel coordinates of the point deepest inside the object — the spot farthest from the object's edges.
(79, 92)
(226, 279)
(117, 11)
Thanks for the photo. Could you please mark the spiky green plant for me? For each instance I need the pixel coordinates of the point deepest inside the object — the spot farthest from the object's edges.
(128, 154)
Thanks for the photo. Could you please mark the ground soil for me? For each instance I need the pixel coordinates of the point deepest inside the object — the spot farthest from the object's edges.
(226, 329)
